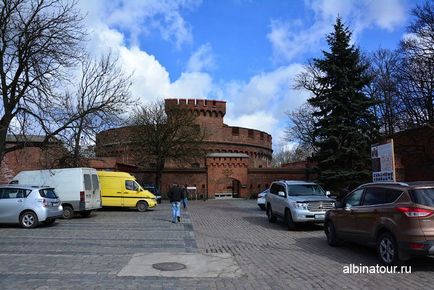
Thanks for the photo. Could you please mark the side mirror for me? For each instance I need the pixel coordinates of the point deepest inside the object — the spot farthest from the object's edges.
(281, 193)
(339, 204)
(328, 193)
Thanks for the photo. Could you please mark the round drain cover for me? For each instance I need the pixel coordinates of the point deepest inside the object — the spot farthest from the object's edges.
(169, 266)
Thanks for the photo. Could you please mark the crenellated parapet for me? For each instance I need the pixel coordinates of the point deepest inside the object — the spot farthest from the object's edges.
(219, 137)
(200, 107)
(247, 136)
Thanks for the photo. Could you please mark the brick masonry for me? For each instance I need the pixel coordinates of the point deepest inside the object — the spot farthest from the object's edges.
(211, 175)
(31, 157)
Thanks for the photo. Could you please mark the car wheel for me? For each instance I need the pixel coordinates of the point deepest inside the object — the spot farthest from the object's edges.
(85, 214)
(271, 217)
(261, 206)
(68, 212)
(28, 220)
(142, 206)
(289, 221)
(330, 232)
(48, 222)
(387, 249)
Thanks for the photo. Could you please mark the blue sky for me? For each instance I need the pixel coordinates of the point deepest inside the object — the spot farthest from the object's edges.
(245, 52)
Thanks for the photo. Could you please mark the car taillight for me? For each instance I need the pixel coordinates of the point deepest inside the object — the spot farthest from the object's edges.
(417, 246)
(44, 202)
(81, 196)
(415, 212)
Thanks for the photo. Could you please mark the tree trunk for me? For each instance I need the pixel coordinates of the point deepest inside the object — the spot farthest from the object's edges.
(76, 155)
(159, 167)
(158, 175)
(4, 125)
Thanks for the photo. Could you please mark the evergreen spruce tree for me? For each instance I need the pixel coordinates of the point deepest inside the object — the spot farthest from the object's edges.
(346, 126)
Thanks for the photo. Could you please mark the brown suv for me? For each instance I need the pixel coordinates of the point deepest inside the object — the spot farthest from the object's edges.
(395, 217)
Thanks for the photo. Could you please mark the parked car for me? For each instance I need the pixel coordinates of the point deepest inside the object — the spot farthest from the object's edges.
(78, 188)
(154, 190)
(297, 202)
(396, 218)
(261, 199)
(29, 205)
(120, 189)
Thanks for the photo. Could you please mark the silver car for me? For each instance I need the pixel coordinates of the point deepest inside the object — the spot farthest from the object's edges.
(261, 199)
(29, 205)
(297, 202)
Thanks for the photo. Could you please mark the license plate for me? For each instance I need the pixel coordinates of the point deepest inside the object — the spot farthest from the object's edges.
(319, 216)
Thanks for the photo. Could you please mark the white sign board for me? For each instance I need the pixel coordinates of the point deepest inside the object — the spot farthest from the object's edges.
(383, 162)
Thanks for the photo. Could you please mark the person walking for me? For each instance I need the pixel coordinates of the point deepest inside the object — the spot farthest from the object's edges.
(175, 195)
(185, 199)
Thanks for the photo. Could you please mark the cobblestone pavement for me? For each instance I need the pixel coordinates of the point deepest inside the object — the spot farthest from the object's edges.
(275, 258)
(88, 253)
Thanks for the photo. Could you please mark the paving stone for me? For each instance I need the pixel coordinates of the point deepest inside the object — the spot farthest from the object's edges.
(88, 253)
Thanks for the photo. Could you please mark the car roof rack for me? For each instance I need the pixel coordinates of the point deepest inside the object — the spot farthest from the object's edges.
(387, 183)
(24, 185)
(296, 181)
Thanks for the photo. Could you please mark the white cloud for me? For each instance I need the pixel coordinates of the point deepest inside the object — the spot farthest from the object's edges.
(150, 80)
(261, 120)
(202, 59)
(261, 103)
(385, 14)
(258, 103)
(139, 18)
(195, 85)
(267, 89)
(290, 39)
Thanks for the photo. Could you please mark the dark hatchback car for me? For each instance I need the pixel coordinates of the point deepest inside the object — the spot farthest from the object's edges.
(397, 218)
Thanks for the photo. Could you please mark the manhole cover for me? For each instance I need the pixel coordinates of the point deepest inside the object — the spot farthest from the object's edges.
(169, 266)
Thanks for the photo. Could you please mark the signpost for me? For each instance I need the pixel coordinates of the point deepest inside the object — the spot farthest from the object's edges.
(383, 162)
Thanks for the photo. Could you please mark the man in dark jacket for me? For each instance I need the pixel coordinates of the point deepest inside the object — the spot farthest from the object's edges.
(175, 195)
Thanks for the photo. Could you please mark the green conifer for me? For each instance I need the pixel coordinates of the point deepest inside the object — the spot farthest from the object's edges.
(346, 126)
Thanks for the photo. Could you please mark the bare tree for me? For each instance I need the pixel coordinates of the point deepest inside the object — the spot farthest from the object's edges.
(416, 68)
(101, 98)
(384, 90)
(166, 135)
(301, 127)
(38, 39)
(283, 155)
(308, 79)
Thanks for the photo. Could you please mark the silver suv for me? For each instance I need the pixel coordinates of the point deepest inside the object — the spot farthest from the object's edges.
(297, 202)
(29, 205)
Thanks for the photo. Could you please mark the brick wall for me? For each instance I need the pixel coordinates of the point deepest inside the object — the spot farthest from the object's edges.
(29, 158)
(414, 154)
(219, 138)
(227, 175)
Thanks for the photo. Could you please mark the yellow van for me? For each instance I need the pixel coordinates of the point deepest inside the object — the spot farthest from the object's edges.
(120, 189)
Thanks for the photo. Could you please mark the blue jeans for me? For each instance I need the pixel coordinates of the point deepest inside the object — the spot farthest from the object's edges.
(185, 202)
(176, 210)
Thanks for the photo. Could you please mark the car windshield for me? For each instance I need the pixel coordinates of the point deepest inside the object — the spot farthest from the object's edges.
(424, 196)
(48, 193)
(305, 190)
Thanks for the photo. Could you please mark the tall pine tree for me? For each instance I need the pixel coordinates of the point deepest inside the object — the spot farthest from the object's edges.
(346, 126)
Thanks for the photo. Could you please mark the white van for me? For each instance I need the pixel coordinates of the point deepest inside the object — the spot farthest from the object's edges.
(77, 188)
